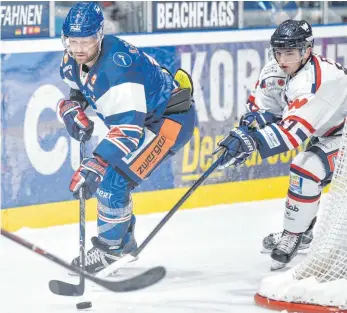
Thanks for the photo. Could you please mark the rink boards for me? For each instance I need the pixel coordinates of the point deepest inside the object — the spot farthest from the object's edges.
(38, 157)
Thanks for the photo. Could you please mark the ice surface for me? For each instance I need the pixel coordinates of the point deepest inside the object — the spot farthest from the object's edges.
(211, 255)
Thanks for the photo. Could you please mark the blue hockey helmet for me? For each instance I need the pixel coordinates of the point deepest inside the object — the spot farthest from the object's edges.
(84, 19)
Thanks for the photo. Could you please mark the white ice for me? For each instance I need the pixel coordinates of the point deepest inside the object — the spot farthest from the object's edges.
(212, 256)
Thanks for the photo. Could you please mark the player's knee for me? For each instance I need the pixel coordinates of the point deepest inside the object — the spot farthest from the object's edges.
(114, 190)
(309, 166)
(306, 176)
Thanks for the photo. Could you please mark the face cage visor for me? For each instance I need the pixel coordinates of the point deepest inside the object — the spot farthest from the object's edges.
(82, 43)
(287, 55)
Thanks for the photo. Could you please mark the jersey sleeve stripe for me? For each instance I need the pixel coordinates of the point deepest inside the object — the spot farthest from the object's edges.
(303, 122)
(127, 127)
(119, 145)
(301, 135)
(135, 141)
(290, 137)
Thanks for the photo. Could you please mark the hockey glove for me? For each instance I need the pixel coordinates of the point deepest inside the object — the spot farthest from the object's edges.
(76, 120)
(258, 119)
(89, 175)
(236, 147)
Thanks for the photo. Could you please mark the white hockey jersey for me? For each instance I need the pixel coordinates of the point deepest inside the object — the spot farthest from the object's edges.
(314, 102)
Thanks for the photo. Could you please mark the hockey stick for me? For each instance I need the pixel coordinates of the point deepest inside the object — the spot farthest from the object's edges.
(133, 256)
(138, 282)
(82, 203)
(60, 287)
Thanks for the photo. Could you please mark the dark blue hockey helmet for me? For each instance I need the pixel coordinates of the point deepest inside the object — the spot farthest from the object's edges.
(84, 19)
(293, 34)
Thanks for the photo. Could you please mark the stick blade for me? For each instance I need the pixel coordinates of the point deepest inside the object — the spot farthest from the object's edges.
(141, 281)
(62, 288)
(144, 280)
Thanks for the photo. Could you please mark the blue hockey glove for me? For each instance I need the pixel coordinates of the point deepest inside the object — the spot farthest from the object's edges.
(236, 147)
(89, 175)
(258, 119)
(75, 120)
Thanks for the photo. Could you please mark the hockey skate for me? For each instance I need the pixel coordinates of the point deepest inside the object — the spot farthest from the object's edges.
(270, 241)
(285, 250)
(101, 255)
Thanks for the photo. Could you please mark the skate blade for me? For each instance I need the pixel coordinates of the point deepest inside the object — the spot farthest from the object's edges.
(263, 250)
(303, 250)
(275, 265)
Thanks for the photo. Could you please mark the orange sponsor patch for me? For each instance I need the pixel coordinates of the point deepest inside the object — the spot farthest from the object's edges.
(296, 104)
(66, 58)
(157, 150)
(93, 79)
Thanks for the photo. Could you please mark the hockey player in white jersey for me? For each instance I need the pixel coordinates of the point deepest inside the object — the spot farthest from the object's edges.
(299, 95)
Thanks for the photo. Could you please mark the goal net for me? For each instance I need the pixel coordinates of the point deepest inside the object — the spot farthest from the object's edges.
(319, 282)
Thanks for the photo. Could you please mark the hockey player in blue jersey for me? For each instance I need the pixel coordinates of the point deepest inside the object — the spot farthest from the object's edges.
(149, 113)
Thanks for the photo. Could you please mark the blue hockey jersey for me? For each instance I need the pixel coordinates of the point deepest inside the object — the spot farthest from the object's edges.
(126, 88)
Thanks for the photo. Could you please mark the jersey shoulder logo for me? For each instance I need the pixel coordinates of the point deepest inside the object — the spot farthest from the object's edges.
(122, 59)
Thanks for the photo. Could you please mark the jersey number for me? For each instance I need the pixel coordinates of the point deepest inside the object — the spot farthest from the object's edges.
(288, 124)
(330, 61)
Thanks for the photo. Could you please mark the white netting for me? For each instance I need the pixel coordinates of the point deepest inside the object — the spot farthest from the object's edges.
(327, 259)
(321, 278)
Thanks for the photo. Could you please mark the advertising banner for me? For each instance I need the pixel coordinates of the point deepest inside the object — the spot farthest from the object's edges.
(39, 157)
(194, 15)
(24, 19)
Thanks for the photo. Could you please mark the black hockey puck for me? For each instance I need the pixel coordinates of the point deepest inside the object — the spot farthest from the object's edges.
(84, 305)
